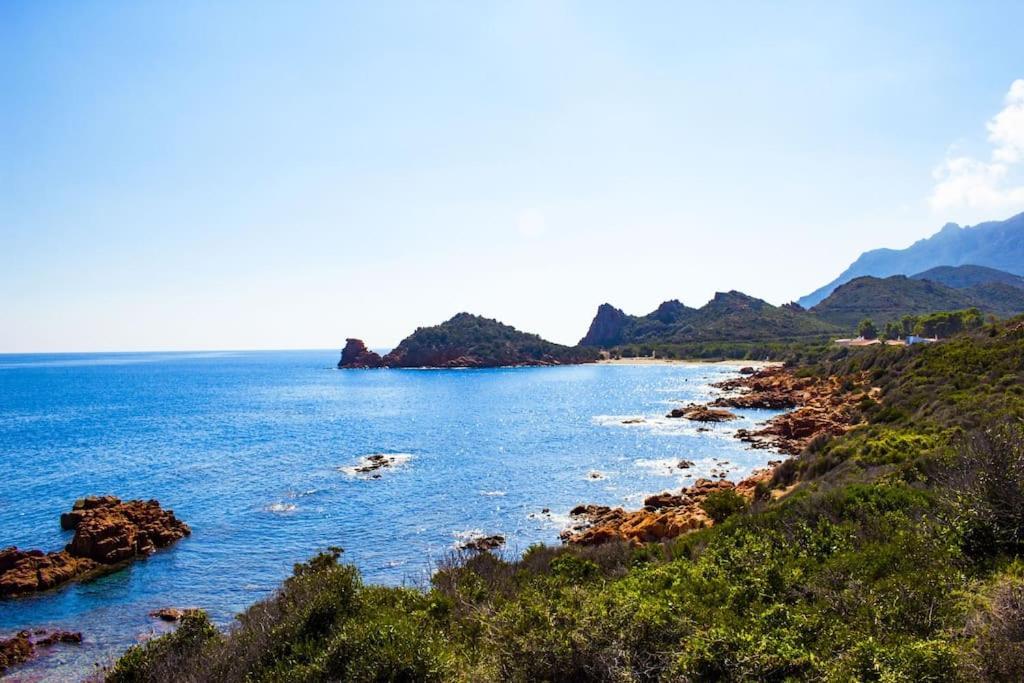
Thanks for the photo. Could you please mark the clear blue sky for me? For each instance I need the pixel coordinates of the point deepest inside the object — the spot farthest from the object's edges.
(190, 175)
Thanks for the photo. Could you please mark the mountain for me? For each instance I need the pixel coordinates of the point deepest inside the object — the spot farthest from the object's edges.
(729, 316)
(960, 277)
(888, 299)
(996, 244)
(472, 341)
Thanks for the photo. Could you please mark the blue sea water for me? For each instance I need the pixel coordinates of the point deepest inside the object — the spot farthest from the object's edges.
(255, 451)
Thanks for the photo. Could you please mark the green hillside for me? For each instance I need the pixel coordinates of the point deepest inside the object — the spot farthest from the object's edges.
(960, 277)
(728, 317)
(886, 300)
(474, 341)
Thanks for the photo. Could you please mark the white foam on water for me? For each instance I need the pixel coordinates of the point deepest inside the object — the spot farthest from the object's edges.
(393, 460)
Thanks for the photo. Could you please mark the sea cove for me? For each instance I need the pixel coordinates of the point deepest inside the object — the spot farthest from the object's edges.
(260, 453)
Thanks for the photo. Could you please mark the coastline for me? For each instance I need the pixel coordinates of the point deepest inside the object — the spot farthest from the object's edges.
(756, 364)
(813, 407)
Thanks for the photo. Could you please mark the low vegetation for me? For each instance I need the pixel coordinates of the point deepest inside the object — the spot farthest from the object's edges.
(891, 553)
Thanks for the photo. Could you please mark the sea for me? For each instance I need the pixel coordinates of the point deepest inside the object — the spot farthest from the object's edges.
(259, 452)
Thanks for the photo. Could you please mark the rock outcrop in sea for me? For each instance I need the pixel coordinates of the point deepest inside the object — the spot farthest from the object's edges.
(356, 355)
(108, 532)
(699, 413)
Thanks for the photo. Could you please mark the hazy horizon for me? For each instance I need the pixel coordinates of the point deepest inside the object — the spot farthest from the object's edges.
(259, 176)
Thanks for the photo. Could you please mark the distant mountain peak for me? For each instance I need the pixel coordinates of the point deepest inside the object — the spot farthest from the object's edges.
(995, 244)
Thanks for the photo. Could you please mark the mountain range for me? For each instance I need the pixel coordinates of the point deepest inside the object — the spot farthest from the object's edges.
(729, 316)
(957, 268)
(995, 244)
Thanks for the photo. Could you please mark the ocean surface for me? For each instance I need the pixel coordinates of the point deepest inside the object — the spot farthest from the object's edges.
(256, 451)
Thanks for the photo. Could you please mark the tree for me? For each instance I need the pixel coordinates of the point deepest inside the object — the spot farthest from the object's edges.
(893, 330)
(867, 329)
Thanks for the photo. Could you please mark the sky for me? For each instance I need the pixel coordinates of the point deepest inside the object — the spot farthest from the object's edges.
(248, 175)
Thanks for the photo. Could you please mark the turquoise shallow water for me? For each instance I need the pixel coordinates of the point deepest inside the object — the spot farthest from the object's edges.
(255, 449)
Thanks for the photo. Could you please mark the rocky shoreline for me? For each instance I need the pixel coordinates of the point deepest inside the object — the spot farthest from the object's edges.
(817, 406)
(108, 534)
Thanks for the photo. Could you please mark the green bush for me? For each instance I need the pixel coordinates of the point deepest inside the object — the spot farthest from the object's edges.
(721, 504)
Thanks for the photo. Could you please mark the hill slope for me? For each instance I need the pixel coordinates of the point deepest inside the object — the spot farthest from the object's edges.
(960, 277)
(888, 299)
(474, 341)
(729, 316)
(996, 244)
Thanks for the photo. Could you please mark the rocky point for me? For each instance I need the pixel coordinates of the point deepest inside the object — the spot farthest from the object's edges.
(108, 532)
(356, 355)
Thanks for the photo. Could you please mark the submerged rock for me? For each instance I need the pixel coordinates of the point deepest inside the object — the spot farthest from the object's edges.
(22, 646)
(107, 533)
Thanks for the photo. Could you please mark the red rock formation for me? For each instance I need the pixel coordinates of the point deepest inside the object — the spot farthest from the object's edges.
(822, 405)
(107, 532)
(356, 355)
(21, 647)
(664, 515)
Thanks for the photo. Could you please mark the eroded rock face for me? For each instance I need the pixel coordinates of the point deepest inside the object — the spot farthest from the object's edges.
(23, 646)
(107, 532)
(606, 328)
(356, 355)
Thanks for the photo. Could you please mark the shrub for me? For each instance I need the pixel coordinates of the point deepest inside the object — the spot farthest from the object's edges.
(985, 490)
(721, 504)
(996, 628)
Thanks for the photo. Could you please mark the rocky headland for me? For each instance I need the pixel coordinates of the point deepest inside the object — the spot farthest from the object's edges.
(108, 533)
(467, 341)
(817, 406)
